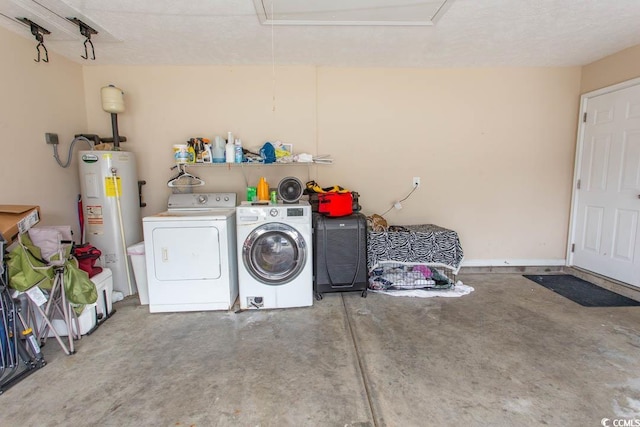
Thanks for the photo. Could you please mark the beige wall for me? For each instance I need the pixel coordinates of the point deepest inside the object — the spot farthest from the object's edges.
(38, 98)
(616, 68)
(494, 147)
(168, 105)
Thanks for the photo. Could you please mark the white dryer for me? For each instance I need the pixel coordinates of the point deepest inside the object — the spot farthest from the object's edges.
(275, 268)
(191, 253)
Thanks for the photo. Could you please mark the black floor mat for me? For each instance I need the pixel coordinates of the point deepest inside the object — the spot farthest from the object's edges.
(578, 290)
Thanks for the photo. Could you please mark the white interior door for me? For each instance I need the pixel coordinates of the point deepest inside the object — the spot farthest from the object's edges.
(607, 200)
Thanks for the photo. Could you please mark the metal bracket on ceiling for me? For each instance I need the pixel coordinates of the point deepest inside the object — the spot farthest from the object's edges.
(39, 33)
(86, 31)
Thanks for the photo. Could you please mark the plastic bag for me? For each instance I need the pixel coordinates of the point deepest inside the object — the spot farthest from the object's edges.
(268, 153)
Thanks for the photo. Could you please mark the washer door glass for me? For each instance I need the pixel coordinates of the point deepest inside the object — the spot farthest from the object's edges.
(274, 253)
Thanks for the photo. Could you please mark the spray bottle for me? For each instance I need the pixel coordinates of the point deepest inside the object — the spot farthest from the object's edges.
(238, 150)
(207, 155)
(191, 151)
(230, 150)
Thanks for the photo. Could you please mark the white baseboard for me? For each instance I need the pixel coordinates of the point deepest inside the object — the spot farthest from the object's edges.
(513, 262)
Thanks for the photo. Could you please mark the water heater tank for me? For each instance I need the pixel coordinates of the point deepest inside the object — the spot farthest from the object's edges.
(108, 183)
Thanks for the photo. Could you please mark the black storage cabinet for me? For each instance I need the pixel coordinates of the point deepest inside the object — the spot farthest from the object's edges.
(339, 254)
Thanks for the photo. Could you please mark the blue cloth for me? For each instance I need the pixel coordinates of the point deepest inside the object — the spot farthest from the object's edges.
(268, 153)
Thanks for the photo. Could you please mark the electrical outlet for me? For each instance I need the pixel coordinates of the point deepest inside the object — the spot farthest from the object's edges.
(51, 138)
(416, 181)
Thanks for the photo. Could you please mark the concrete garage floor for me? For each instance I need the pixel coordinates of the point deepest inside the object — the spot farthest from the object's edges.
(510, 353)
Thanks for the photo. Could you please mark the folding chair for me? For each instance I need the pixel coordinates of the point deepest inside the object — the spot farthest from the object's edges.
(57, 305)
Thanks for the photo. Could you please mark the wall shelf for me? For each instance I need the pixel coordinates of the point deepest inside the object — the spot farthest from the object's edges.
(254, 166)
(251, 164)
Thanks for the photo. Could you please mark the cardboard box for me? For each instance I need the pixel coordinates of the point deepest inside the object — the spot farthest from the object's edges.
(16, 219)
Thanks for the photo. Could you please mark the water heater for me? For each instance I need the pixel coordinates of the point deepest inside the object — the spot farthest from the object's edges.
(111, 208)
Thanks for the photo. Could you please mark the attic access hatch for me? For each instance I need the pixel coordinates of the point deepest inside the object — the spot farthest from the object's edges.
(351, 12)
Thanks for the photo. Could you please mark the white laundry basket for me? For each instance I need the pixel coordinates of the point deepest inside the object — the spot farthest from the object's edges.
(138, 263)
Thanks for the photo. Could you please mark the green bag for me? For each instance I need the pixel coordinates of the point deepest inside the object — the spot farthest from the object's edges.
(26, 266)
(27, 269)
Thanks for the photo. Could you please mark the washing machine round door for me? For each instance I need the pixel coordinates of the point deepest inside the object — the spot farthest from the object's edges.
(274, 253)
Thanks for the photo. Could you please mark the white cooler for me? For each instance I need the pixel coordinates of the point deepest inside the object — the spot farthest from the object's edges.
(88, 319)
(104, 286)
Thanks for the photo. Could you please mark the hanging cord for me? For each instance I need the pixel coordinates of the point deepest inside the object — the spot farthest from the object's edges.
(68, 162)
(400, 201)
(273, 63)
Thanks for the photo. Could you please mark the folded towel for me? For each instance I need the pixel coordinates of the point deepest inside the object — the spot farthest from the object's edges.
(303, 158)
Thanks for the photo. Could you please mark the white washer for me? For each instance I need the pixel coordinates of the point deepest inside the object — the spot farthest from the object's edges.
(275, 268)
(191, 253)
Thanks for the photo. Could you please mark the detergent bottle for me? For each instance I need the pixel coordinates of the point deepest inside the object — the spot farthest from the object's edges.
(191, 152)
(207, 155)
(230, 151)
(263, 189)
(218, 150)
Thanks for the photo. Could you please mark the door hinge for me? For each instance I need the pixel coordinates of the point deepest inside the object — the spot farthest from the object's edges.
(573, 247)
(584, 118)
(578, 185)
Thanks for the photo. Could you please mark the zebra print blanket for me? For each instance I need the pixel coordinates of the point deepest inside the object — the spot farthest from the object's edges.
(424, 244)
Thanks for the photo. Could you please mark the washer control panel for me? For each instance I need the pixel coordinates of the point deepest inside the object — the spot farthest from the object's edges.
(251, 213)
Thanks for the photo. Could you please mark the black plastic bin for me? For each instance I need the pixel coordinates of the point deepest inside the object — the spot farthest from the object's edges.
(339, 254)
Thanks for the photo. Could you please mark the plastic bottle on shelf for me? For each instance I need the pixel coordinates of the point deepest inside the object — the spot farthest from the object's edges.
(238, 148)
(263, 189)
(180, 153)
(218, 150)
(191, 152)
(230, 151)
(198, 146)
(207, 155)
